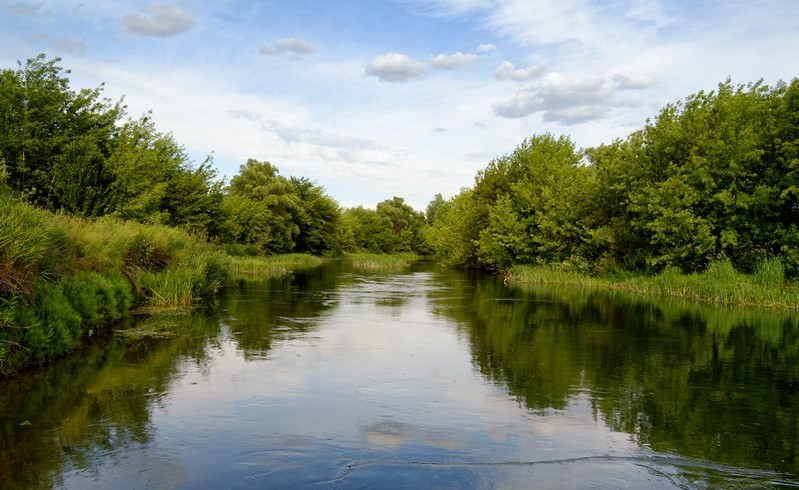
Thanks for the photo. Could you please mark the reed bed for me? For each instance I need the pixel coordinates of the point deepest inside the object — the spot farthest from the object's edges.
(720, 283)
(273, 265)
(381, 262)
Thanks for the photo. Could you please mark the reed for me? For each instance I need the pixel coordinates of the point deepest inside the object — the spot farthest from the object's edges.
(720, 283)
(382, 262)
(273, 265)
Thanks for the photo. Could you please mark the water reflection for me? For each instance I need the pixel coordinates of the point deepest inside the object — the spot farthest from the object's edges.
(717, 384)
(338, 378)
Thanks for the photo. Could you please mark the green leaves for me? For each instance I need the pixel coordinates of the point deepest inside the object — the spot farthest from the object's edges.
(55, 141)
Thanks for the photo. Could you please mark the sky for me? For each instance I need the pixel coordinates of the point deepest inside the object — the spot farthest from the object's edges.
(373, 99)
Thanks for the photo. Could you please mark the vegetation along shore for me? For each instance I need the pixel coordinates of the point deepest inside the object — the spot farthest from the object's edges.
(101, 212)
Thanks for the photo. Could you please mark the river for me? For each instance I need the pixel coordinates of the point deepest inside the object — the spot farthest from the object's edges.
(426, 378)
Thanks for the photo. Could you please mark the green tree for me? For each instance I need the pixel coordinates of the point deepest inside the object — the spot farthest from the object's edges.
(708, 178)
(535, 206)
(455, 232)
(320, 230)
(154, 181)
(261, 185)
(365, 230)
(55, 141)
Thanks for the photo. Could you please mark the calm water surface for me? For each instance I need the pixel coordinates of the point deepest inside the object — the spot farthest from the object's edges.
(338, 378)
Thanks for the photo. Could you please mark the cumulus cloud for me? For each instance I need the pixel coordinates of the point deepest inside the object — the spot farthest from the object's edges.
(485, 48)
(452, 61)
(287, 45)
(394, 67)
(506, 71)
(567, 100)
(158, 21)
(633, 81)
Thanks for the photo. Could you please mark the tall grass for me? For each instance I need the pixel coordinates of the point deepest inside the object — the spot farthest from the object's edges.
(25, 239)
(720, 283)
(63, 278)
(273, 265)
(382, 262)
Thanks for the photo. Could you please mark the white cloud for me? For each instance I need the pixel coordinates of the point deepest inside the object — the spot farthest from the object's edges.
(452, 61)
(486, 48)
(287, 45)
(565, 100)
(394, 67)
(158, 21)
(506, 71)
(633, 81)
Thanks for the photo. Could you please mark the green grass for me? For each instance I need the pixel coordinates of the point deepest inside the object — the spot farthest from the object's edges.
(720, 283)
(25, 240)
(273, 265)
(381, 262)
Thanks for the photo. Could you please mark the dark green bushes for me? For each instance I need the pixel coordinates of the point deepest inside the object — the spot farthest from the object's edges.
(59, 316)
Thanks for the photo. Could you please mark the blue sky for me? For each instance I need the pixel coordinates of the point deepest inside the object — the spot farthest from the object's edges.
(374, 99)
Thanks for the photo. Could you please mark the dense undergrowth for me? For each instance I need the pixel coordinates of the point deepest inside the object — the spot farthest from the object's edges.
(63, 278)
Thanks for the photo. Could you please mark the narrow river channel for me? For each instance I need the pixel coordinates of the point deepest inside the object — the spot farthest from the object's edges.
(426, 378)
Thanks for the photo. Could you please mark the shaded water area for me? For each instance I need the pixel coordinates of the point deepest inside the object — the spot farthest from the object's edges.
(429, 378)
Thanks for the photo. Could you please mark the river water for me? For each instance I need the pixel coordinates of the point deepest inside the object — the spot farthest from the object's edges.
(427, 378)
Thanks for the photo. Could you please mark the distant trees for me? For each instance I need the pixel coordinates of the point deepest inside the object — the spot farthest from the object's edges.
(277, 214)
(392, 227)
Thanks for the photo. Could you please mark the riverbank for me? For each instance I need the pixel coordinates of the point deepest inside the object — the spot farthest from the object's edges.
(63, 278)
(720, 283)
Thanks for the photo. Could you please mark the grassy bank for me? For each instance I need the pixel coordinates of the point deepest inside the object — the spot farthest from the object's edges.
(64, 278)
(720, 283)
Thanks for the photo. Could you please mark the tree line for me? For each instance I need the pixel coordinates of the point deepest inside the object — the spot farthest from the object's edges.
(77, 152)
(715, 176)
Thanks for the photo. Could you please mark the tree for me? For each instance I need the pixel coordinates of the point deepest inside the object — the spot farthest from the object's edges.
(320, 230)
(261, 185)
(153, 180)
(432, 207)
(454, 234)
(56, 141)
(710, 177)
(534, 202)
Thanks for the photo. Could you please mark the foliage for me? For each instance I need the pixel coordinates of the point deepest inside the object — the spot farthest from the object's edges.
(155, 182)
(456, 228)
(272, 266)
(278, 215)
(24, 240)
(711, 177)
(392, 227)
(56, 141)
